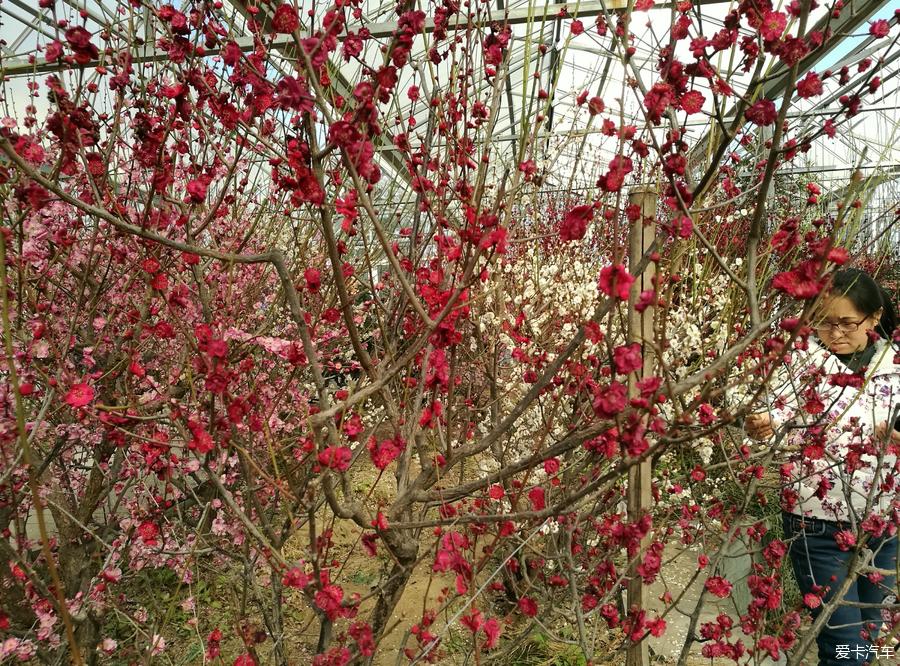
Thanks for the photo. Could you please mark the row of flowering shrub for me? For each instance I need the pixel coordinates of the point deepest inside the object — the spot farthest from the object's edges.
(277, 313)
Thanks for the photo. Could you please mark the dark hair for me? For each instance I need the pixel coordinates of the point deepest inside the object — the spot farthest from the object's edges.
(868, 297)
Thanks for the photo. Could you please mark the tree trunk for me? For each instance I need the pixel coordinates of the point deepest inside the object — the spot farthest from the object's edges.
(406, 551)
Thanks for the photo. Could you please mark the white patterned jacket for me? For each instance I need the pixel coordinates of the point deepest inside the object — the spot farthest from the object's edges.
(842, 472)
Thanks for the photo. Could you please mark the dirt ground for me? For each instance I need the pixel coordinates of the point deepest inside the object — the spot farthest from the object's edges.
(360, 572)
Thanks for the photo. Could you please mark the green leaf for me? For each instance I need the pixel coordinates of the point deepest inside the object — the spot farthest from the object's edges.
(192, 654)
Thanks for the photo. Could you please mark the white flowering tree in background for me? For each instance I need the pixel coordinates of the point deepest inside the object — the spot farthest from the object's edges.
(324, 341)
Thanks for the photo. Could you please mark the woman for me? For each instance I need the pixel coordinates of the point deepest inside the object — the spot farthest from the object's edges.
(842, 404)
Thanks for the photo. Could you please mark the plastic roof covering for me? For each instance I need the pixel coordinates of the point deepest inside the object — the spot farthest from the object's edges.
(871, 139)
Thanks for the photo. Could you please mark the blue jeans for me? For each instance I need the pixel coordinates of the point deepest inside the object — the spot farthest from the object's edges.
(818, 561)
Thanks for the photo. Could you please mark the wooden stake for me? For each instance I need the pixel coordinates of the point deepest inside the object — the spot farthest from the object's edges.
(640, 329)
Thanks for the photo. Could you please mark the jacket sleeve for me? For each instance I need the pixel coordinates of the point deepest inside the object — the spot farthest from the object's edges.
(885, 393)
(783, 393)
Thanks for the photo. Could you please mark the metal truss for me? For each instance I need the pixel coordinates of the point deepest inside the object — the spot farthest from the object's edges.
(854, 14)
(594, 64)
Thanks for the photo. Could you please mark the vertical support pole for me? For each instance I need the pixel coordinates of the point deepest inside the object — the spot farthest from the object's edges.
(766, 134)
(640, 329)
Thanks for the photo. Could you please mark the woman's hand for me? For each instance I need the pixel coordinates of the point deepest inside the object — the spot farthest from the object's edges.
(881, 433)
(759, 426)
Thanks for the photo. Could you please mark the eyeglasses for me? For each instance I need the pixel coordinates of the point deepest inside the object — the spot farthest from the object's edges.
(842, 326)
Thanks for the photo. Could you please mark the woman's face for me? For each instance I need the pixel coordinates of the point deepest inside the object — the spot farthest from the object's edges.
(842, 327)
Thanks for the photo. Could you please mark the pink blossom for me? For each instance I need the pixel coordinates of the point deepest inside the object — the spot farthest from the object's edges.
(809, 86)
(329, 600)
(380, 521)
(682, 226)
(610, 400)
(615, 281)
(111, 574)
(212, 644)
(528, 606)
(762, 112)
(537, 498)
(362, 634)
(196, 190)
(23, 650)
(619, 167)
(657, 101)
(773, 24)
(285, 19)
(368, 540)
(53, 51)
(438, 369)
(79, 40)
(845, 539)
(148, 531)
(838, 256)
(879, 28)
(472, 621)
(492, 630)
(313, 279)
(79, 395)
(628, 358)
(385, 452)
(157, 645)
(574, 224)
(692, 102)
(295, 577)
(645, 300)
(217, 348)
(529, 168)
(656, 627)
(336, 457)
(801, 282)
(718, 586)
